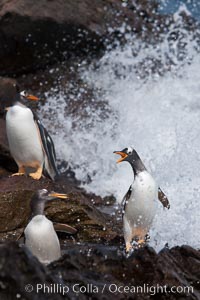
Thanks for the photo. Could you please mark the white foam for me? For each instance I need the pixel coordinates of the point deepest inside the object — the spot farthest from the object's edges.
(158, 115)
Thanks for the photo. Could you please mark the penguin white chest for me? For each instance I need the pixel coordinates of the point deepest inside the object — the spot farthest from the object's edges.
(141, 207)
(42, 240)
(23, 136)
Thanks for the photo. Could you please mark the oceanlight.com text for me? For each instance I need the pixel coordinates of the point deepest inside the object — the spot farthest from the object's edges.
(111, 288)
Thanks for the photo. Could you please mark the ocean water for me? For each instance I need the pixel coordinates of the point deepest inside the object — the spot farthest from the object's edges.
(152, 95)
(171, 7)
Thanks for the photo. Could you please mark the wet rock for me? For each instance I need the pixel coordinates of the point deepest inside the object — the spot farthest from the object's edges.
(78, 211)
(14, 207)
(15, 235)
(34, 35)
(47, 31)
(98, 271)
(97, 265)
(23, 270)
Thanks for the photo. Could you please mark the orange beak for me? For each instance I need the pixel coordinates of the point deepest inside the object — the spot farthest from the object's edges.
(123, 156)
(31, 97)
(57, 195)
(7, 108)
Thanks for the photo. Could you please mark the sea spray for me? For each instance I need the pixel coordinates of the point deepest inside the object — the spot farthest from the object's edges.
(152, 93)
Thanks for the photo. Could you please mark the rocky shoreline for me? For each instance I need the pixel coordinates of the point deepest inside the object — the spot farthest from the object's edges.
(34, 39)
(100, 272)
(93, 258)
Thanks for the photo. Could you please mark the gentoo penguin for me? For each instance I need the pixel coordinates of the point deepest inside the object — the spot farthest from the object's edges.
(40, 235)
(30, 144)
(140, 201)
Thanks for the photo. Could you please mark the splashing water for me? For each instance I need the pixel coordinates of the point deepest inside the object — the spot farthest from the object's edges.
(153, 99)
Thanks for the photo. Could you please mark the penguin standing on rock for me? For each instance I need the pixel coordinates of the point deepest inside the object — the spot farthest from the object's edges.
(30, 144)
(140, 201)
(40, 235)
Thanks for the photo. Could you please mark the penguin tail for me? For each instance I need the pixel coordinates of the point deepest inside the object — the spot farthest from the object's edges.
(50, 170)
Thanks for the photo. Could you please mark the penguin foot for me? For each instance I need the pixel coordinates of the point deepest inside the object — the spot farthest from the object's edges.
(128, 254)
(21, 171)
(135, 246)
(141, 243)
(37, 175)
(18, 174)
(128, 247)
(131, 248)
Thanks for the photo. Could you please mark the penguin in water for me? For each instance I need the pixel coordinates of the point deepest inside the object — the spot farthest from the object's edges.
(30, 144)
(40, 235)
(139, 202)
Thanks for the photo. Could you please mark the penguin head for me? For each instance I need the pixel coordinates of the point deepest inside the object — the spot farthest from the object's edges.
(25, 96)
(40, 198)
(15, 96)
(130, 155)
(127, 154)
(44, 195)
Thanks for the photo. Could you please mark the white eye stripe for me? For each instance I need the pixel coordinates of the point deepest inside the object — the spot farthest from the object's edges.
(23, 93)
(129, 150)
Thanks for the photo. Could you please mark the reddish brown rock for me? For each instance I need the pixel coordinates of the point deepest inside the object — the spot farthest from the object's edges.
(77, 211)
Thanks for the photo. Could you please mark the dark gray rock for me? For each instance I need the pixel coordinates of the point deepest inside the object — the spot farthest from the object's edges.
(7, 93)
(35, 34)
(18, 271)
(97, 270)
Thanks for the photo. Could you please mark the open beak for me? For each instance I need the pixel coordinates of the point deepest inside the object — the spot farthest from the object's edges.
(57, 195)
(123, 156)
(31, 97)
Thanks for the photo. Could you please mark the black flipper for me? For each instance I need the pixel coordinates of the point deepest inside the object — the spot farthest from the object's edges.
(64, 228)
(126, 198)
(49, 149)
(163, 198)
